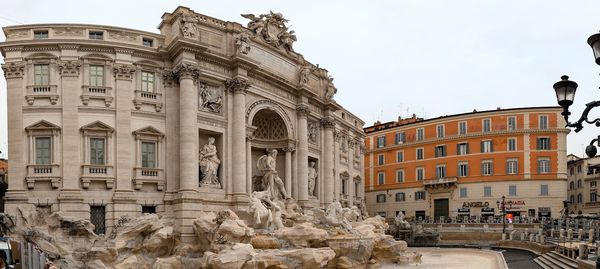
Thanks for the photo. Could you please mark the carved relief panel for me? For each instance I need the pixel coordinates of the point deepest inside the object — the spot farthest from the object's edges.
(210, 98)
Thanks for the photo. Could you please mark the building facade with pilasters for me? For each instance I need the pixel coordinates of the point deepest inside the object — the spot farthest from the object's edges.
(106, 122)
(461, 165)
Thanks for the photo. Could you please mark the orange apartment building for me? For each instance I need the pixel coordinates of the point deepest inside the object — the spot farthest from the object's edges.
(461, 165)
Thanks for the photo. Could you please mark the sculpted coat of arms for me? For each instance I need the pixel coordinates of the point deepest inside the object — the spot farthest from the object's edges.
(272, 29)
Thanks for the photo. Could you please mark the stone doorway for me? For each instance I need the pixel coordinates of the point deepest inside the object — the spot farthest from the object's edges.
(441, 208)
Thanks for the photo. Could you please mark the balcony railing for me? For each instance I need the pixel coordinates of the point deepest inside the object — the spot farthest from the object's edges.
(43, 172)
(148, 175)
(41, 92)
(94, 172)
(592, 204)
(96, 92)
(440, 182)
(149, 98)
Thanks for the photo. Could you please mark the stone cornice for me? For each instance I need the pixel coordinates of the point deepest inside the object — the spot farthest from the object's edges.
(69, 68)
(124, 51)
(124, 71)
(13, 70)
(237, 85)
(68, 46)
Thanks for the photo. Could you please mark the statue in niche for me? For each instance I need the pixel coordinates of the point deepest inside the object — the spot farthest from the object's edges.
(209, 164)
(313, 130)
(188, 27)
(209, 100)
(270, 180)
(312, 178)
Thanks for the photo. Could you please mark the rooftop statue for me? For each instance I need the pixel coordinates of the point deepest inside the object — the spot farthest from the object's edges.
(272, 29)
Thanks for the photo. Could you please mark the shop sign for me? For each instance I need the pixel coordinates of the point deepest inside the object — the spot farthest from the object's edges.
(514, 204)
(487, 210)
(475, 204)
(464, 210)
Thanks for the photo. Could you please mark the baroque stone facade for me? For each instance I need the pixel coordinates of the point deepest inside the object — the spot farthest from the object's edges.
(106, 122)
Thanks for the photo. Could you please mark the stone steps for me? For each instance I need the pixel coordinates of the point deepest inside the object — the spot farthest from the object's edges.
(553, 260)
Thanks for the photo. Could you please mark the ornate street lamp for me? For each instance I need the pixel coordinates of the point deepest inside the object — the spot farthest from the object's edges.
(502, 206)
(565, 94)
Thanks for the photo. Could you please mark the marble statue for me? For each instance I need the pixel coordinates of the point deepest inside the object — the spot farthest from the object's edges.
(351, 214)
(270, 180)
(331, 89)
(261, 216)
(242, 43)
(209, 164)
(209, 100)
(334, 216)
(188, 27)
(312, 178)
(400, 222)
(363, 210)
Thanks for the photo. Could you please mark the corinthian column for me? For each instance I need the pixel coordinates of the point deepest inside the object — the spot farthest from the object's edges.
(238, 87)
(328, 125)
(188, 130)
(302, 158)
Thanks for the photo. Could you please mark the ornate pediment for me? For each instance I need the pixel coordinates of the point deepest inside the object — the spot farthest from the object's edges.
(272, 29)
(344, 175)
(42, 125)
(97, 126)
(148, 131)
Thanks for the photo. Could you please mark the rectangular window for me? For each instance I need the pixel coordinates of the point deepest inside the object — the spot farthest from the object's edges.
(380, 159)
(382, 214)
(593, 184)
(419, 153)
(571, 171)
(543, 166)
(512, 167)
(486, 146)
(543, 122)
(147, 81)
(420, 134)
(42, 150)
(512, 123)
(420, 173)
(148, 154)
(487, 168)
(463, 169)
(579, 168)
(98, 218)
(400, 197)
(463, 192)
(440, 151)
(420, 195)
(41, 75)
(462, 127)
(543, 143)
(381, 198)
(147, 42)
(97, 150)
(440, 171)
(399, 156)
(462, 149)
(381, 178)
(344, 186)
(593, 197)
(400, 138)
(96, 75)
(487, 191)
(487, 125)
(544, 189)
(400, 176)
(440, 131)
(512, 144)
(98, 35)
(512, 190)
(40, 34)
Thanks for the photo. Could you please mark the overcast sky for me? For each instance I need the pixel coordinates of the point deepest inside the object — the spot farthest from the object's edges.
(395, 58)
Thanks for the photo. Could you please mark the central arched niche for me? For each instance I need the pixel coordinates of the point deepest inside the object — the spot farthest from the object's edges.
(270, 133)
(269, 126)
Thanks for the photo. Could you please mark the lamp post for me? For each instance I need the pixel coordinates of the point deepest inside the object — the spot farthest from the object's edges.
(565, 94)
(501, 204)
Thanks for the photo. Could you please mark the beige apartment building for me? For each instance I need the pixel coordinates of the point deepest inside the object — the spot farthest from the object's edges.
(584, 176)
(461, 165)
(106, 122)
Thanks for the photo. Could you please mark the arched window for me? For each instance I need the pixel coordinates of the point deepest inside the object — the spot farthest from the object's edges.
(579, 185)
(572, 198)
(572, 185)
(579, 198)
